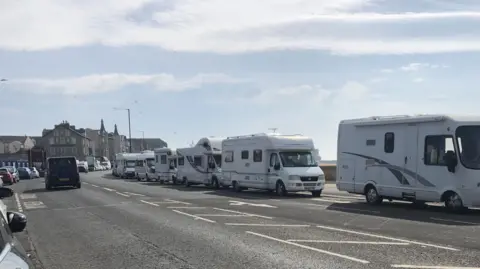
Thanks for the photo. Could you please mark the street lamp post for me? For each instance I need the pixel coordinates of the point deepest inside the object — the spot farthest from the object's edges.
(129, 128)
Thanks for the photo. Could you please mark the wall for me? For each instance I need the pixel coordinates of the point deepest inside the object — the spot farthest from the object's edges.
(330, 171)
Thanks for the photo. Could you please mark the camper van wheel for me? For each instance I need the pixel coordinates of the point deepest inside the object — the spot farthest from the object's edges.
(174, 180)
(215, 183)
(280, 189)
(146, 177)
(186, 183)
(236, 187)
(316, 193)
(453, 202)
(372, 195)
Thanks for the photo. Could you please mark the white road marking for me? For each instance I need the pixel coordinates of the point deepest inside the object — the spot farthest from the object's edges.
(186, 207)
(220, 215)
(33, 205)
(134, 194)
(456, 221)
(108, 189)
(238, 212)
(122, 194)
(149, 203)
(177, 202)
(331, 200)
(386, 237)
(349, 242)
(240, 203)
(94, 185)
(26, 196)
(193, 216)
(268, 225)
(430, 267)
(19, 204)
(310, 248)
(343, 197)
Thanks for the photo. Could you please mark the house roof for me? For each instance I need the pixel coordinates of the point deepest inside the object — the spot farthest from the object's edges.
(66, 125)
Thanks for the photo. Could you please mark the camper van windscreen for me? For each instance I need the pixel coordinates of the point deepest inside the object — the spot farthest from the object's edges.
(130, 163)
(468, 139)
(150, 162)
(218, 159)
(297, 159)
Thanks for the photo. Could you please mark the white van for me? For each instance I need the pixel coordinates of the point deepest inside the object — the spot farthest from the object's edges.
(166, 165)
(418, 158)
(145, 161)
(201, 164)
(284, 163)
(126, 164)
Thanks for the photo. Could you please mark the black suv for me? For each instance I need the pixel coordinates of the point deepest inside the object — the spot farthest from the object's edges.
(62, 171)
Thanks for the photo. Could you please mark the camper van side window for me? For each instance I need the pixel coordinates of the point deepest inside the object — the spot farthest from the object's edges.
(197, 160)
(228, 156)
(257, 155)
(436, 146)
(163, 159)
(181, 161)
(156, 158)
(389, 145)
(244, 154)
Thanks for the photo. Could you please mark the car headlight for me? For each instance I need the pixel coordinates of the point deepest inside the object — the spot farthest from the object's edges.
(294, 177)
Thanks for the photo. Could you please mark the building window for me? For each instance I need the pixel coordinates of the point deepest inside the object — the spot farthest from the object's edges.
(163, 159)
(197, 160)
(62, 140)
(436, 146)
(389, 145)
(52, 151)
(74, 150)
(67, 132)
(181, 161)
(51, 140)
(257, 155)
(244, 154)
(229, 156)
(55, 133)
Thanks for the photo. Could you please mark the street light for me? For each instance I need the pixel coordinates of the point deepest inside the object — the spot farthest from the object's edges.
(129, 127)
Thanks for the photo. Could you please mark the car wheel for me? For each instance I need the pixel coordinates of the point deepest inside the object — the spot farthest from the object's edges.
(79, 185)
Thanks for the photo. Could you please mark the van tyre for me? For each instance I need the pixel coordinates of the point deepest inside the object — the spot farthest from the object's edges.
(280, 189)
(79, 185)
(453, 202)
(372, 196)
(186, 183)
(317, 193)
(48, 187)
(236, 187)
(174, 180)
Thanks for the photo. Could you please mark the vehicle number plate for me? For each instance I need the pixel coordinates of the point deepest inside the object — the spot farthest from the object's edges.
(64, 179)
(309, 188)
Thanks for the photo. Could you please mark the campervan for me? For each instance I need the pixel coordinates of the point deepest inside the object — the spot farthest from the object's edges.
(166, 165)
(201, 163)
(284, 163)
(418, 158)
(145, 161)
(126, 164)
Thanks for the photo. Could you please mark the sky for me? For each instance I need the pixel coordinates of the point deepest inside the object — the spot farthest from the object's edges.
(188, 69)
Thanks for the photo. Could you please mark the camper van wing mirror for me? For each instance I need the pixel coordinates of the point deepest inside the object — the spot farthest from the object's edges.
(450, 161)
(276, 166)
(172, 167)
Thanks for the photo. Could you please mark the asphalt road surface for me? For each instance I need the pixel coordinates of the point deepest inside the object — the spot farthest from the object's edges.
(116, 223)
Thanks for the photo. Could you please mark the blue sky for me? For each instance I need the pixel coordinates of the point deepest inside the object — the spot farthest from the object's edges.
(189, 69)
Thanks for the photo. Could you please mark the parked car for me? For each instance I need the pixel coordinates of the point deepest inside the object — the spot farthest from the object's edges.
(35, 172)
(7, 177)
(13, 170)
(13, 254)
(82, 167)
(25, 173)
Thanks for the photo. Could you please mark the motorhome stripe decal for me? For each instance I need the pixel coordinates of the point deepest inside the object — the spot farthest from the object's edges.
(397, 169)
(398, 175)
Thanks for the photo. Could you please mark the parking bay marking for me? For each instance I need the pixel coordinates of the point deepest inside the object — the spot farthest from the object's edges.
(238, 212)
(349, 242)
(386, 237)
(240, 203)
(193, 216)
(309, 248)
(430, 267)
(26, 196)
(33, 205)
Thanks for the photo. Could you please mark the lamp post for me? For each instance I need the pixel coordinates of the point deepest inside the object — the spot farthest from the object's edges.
(129, 128)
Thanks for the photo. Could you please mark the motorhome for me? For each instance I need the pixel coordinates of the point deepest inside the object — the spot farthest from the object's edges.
(201, 164)
(145, 161)
(284, 163)
(418, 158)
(166, 165)
(126, 164)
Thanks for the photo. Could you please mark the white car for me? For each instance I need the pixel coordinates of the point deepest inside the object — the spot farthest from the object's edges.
(35, 172)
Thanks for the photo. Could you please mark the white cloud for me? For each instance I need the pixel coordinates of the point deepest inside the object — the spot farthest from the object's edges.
(412, 67)
(232, 26)
(99, 83)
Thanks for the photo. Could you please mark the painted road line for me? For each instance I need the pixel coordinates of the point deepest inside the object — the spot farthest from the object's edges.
(134, 194)
(94, 185)
(19, 204)
(186, 207)
(122, 194)
(269, 225)
(33, 205)
(456, 221)
(240, 203)
(386, 237)
(108, 189)
(148, 203)
(193, 216)
(220, 215)
(430, 266)
(243, 213)
(26, 196)
(349, 242)
(309, 248)
(331, 200)
(177, 202)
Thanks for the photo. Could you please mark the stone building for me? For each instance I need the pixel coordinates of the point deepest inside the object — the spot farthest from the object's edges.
(66, 140)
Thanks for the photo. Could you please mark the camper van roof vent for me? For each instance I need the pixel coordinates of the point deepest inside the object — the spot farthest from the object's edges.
(390, 117)
(246, 136)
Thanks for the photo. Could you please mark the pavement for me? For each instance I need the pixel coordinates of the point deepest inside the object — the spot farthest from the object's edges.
(117, 223)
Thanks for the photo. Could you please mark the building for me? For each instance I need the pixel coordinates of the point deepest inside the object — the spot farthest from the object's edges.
(139, 144)
(116, 143)
(65, 140)
(100, 140)
(10, 144)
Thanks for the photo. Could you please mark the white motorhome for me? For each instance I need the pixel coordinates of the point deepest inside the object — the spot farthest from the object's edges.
(201, 164)
(145, 161)
(419, 158)
(126, 164)
(284, 163)
(166, 165)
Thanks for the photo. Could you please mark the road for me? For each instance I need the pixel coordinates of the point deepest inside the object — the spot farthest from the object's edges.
(116, 223)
